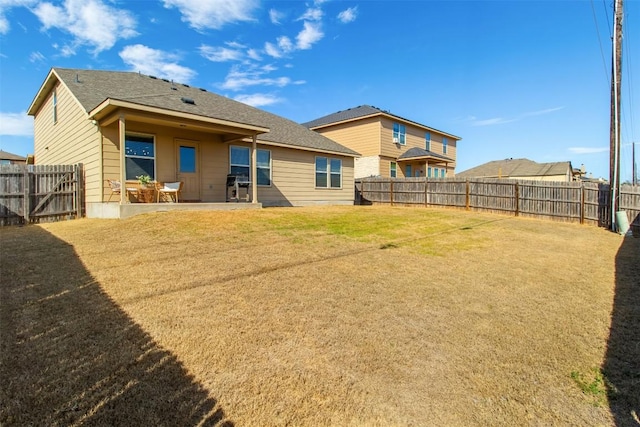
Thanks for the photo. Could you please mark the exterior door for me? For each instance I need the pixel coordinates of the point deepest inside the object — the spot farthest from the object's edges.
(189, 169)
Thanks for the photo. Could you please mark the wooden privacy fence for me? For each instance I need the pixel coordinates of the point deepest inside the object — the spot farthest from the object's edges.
(584, 202)
(39, 193)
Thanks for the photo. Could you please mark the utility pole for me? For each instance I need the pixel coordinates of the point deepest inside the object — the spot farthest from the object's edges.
(634, 166)
(616, 77)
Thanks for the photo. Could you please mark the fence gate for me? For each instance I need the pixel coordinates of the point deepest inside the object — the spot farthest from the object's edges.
(40, 193)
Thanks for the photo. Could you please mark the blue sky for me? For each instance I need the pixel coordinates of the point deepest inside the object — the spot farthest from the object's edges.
(513, 78)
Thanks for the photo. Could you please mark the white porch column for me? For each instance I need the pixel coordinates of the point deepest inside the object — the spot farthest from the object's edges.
(426, 168)
(254, 171)
(123, 174)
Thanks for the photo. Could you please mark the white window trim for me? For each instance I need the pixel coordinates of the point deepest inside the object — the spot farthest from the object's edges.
(145, 135)
(402, 134)
(391, 169)
(445, 142)
(270, 168)
(249, 165)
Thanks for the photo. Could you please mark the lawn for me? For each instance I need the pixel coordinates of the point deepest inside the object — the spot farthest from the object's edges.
(343, 316)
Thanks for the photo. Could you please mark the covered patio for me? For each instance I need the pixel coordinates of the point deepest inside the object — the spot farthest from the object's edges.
(417, 162)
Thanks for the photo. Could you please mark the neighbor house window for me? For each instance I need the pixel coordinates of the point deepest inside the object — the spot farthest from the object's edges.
(55, 107)
(444, 145)
(140, 157)
(328, 172)
(399, 134)
(393, 169)
(427, 141)
(443, 173)
(240, 163)
(407, 171)
(264, 167)
(429, 172)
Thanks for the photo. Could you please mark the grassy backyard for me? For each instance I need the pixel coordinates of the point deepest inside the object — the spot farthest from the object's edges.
(319, 316)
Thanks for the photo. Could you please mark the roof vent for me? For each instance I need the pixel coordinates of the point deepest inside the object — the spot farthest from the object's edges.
(153, 77)
(203, 89)
(188, 101)
(185, 85)
(166, 80)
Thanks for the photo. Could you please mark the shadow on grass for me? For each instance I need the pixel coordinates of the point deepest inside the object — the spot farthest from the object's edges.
(70, 356)
(622, 363)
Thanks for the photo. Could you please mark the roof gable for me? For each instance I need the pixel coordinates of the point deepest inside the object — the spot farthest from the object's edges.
(91, 88)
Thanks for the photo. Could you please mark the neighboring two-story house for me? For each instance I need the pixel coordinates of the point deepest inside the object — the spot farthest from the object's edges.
(390, 145)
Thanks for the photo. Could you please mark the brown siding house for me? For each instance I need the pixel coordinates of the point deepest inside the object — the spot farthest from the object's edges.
(390, 145)
(124, 124)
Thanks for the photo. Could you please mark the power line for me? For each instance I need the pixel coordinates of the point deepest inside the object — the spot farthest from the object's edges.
(604, 62)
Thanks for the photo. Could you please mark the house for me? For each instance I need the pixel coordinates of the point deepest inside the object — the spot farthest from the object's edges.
(390, 145)
(175, 132)
(525, 169)
(11, 159)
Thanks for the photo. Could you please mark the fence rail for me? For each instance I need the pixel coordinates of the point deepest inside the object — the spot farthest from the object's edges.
(584, 202)
(40, 193)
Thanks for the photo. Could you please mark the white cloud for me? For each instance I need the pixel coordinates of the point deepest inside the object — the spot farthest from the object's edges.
(258, 99)
(240, 78)
(156, 63)
(5, 5)
(312, 14)
(220, 54)
(310, 34)
(37, 57)
(501, 120)
(271, 50)
(275, 17)
(253, 54)
(284, 43)
(90, 22)
(213, 14)
(588, 150)
(16, 124)
(348, 15)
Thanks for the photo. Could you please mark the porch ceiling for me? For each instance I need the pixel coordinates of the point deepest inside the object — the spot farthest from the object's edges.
(109, 111)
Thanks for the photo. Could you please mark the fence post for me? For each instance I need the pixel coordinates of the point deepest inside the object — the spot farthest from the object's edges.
(517, 199)
(468, 195)
(426, 192)
(26, 188)
(582, 202)
(77, 172)
(391, 190)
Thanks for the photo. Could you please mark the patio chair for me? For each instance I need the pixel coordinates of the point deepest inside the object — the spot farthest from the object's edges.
(169, 191)
(116, 188)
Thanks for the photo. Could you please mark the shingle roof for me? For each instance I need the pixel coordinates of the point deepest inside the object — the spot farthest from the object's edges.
(364, 111)
(92, 87)
(10, 156)
(417, 152)
(516, 167)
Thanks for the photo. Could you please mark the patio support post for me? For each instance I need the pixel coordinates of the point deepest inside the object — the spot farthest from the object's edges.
(123, 175)
(254, 170)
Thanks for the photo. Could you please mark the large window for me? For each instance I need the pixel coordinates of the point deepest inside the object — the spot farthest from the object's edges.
(393, 169)
(427, 141)
(140, 158)
(444, 145)
(241, 164)
(399, 134)
(328, 172)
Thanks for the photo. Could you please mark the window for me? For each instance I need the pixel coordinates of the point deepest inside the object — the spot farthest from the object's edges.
(429, 172)
(427, 141)
(393, 169)
(328, 173)
(55, 107)
(241, 164)
(187, 159)
(264, 167)
(443, 173)
(444, 145)
(139, 153)
(408, 171)
(399, 134)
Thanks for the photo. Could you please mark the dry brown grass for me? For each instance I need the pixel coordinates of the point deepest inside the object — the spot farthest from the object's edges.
(315, 316)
